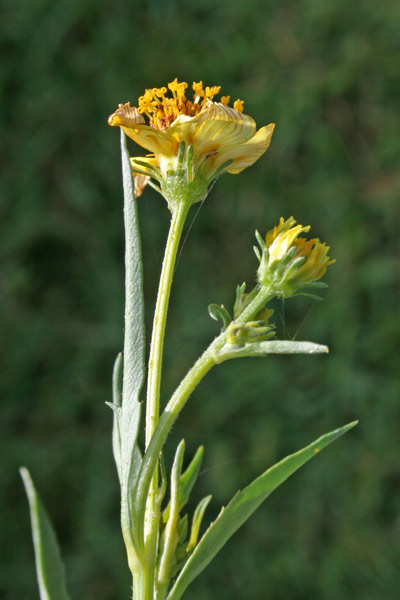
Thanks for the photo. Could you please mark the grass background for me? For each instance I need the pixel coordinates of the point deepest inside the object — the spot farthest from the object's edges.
(327, 74)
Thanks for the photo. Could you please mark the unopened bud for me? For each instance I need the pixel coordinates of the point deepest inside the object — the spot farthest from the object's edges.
(289, 262)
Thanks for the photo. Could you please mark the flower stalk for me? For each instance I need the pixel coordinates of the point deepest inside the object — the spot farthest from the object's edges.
(160, 316)
(151, 518)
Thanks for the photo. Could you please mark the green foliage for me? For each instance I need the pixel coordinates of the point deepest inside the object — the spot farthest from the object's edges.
(242, 506)
(268, 348)
(49, 566)
(327, 74)
(127, 416)
(187, 480)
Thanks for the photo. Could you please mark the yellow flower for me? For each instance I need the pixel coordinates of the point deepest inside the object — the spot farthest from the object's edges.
(215, 137)
(289, 262)
(281, 238)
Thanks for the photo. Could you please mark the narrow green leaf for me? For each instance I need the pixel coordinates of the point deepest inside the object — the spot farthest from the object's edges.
(183, 526)
(196, 523)
(242, 506)
(163, 487)
(117, 381)
(312, 296)
(171, 535)
(188, 479)
(230, 351)
(116, 407)
(134, 346)
(315, 284)
(219, 313)
(49, 566)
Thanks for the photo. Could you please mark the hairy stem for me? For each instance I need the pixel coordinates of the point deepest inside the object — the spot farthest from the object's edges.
(160, 316)
(151, 520)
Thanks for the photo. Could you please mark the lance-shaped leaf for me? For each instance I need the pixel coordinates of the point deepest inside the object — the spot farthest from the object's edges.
(242, 505)
(134, 347)
(49, 566)
(229, 351)
(170, 538)
(187, 481)
(115, 405)
(196, 523)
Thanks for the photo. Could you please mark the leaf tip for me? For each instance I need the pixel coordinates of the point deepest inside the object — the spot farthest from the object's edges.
(28, 483)
(25, 475)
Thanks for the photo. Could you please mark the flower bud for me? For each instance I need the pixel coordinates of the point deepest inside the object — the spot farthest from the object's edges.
(289, 262)
(252, 331)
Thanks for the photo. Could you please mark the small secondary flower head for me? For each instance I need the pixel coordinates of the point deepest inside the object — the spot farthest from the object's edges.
(289, 262)
(215, 136)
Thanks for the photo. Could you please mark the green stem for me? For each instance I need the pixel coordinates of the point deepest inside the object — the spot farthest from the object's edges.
(160, 316)
(206, 361)
(263, 296)
(179, 398)
(175, 405)
(151, 518)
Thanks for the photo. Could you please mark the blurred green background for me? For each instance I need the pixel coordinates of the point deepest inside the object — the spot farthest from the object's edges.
(327, 72)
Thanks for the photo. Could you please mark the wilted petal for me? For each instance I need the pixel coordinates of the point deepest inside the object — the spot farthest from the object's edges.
(132, 123)
(140, 182)
(125, 115)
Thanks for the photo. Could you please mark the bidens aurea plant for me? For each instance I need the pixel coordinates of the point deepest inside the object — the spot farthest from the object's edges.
(191, 143)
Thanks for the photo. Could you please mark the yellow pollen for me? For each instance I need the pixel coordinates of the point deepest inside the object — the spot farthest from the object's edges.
(198, 89)
(238, 105)
(160, 92)
(163, 110)
(211, 91)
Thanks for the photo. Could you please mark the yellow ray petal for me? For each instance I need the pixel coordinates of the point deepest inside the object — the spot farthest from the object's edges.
(217, 125)
(151, 161)
(153, 140)
(246, 154)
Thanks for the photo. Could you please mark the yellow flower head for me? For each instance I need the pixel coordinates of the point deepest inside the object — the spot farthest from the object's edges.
(220, 138)
(289, 262)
